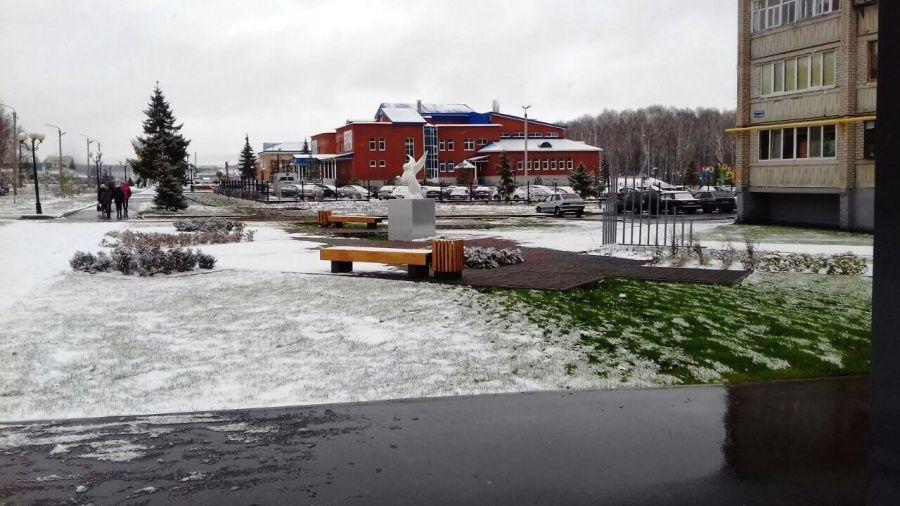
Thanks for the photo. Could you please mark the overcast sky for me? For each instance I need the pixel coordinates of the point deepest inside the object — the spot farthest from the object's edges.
(284, 70)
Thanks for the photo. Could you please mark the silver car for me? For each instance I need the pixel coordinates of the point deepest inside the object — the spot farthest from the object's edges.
(562, 203)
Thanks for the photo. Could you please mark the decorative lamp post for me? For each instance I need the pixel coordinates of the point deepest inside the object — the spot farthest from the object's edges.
(525, 162)
(97, 157)
(36, 140)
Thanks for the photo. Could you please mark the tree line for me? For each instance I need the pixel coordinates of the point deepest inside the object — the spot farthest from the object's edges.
(668, 143)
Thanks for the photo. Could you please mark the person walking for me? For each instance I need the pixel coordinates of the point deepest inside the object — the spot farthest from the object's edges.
(118, 198)
(105, 199)
(126, 194)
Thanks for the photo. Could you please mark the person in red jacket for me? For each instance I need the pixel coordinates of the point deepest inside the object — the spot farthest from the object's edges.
(126, 194)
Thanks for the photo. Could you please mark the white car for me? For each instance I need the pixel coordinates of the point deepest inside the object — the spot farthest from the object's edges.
(459, 193)
(563, 189)
(562, 203)
(532, 193)
(400, 192)
(386, 192)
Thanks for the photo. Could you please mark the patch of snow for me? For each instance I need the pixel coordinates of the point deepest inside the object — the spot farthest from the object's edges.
(115, 450)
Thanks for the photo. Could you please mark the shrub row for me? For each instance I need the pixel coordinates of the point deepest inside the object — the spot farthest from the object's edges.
(146, 261)
(476, 257)
(208, 225)
(136, 240)
(751, 258)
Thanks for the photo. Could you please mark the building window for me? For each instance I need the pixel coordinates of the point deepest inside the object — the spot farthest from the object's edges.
(443, 167)
(519, 165)
(869, 140)
(768, 14)
(873, 60)
(553, 164)
(442, 145)
(482, 142)
(450, 145)
(569, 164)
(372, 146)
(504, 135)
(469, 144)
(546, 165)
(518, 135)
(371, 163)
(382, 163)
(535, 135)
(552, 135)
(798, 74)
(381, 145)
(410, 146)
(348, 141)
(798, 143)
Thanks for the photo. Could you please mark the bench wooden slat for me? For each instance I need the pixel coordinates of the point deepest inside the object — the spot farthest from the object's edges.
(376, 255)
(356, 219)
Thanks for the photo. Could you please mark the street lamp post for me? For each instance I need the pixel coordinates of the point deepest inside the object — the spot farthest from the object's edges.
(525, 162)
(36, 140)
(60, 133)
(88, 142)
(97, 157)
(18, 152)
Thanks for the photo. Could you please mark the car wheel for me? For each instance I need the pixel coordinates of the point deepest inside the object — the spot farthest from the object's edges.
(557, 212)
(579, 214)
(537, 209)
(691, 211)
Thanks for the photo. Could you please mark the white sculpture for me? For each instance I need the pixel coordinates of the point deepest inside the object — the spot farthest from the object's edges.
(410, 169)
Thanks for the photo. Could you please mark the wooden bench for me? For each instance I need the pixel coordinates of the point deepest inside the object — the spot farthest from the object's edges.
(326, 219)
(342, 258)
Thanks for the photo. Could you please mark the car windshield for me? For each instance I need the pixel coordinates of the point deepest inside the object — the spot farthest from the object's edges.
(682, 196)
(569, 196)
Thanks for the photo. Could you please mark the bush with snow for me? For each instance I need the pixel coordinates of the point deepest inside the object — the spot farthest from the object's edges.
(137, 240)
(475, 257)
(209, 225)
(147, 261)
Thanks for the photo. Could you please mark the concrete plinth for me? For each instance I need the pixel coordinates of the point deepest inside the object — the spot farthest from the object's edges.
(410, 219)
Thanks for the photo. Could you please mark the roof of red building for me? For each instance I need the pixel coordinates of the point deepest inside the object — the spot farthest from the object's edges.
(537, 145)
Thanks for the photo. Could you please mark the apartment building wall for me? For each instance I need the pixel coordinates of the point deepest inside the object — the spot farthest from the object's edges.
(834, 191)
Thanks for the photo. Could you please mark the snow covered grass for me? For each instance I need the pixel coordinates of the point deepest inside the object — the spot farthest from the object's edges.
(50, 205)
(738, 233)
(113, 345)
(776, 326)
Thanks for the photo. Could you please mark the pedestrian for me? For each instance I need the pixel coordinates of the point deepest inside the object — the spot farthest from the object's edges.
(126, 194)
(118, 198)
(105, 199)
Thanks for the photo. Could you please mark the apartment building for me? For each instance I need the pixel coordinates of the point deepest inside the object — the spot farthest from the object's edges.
(805, 133)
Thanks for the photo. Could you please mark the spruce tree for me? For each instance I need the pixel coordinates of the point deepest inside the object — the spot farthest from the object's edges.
(247, 162)
(162, 152)
(169, 194)
(505, 186)
(580, 181)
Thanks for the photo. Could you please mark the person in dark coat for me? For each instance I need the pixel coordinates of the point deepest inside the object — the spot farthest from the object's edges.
(106, 197)
(118, 198)
(126, 194)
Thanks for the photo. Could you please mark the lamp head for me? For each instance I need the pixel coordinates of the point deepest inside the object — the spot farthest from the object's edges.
(37, 137)
(22, 137)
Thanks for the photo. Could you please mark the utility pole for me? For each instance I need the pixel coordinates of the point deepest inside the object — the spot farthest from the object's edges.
(59, 134)
(17, 152)
(525, 163)
(87, 156)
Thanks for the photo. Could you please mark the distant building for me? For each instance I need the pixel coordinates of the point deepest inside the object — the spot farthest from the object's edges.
(67, 162)
(375, 150)
(805, 136)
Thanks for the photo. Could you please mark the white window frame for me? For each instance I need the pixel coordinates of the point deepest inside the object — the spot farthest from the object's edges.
(450, 167)
(482, 142)
(442, 146)
(372, 163)
(546, 165)
(409, 144)
(373, 144)
(770, 69)
(504, 135)
(810, 155)
(450, 146)
(382, 145)
(569, 164)
(469, 145)
(382, 163)
(552, 135)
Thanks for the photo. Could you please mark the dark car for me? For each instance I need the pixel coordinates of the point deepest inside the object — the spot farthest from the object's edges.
(721, 201)
(632, 200)
(673, 202)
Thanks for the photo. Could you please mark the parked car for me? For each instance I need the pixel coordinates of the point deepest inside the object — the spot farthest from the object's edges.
(459, 193)
(291, 190)
(328, 191)
(4, 189)
(673, 202)
(400, 192)
(386, 192)
(533, 193)
(563, 189)
(561, 203)
(431, 192)
(353, 192)
(721, 201)
(631, 200)
(482, 192)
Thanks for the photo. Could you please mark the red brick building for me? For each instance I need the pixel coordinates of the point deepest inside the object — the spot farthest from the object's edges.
(375, 150)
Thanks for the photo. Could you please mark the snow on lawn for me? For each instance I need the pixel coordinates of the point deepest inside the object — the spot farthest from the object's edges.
(50, 205)
(113, 344)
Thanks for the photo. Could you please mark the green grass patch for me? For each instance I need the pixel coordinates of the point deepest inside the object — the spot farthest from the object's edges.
(738, 233)
(777, 326)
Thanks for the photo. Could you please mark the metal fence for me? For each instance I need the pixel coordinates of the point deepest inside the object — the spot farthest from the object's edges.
(638, 213)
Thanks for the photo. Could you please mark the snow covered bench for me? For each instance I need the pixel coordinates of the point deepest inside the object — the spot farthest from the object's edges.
(342, 258)
(326, 219)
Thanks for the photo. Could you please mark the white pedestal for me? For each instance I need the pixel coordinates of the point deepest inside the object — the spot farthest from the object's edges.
(410, 219)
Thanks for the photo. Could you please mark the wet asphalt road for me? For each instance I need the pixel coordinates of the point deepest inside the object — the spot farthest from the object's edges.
(90, 213)
(776, 443)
